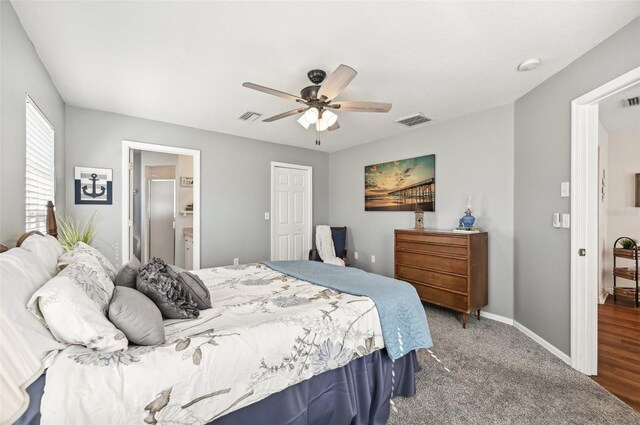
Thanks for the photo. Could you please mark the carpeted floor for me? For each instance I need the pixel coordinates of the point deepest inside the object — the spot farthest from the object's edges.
(491, 373)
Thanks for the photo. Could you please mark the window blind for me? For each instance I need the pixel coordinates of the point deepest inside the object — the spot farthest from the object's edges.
(40, 171)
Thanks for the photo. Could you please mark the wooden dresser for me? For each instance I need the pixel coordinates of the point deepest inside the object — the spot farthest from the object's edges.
(446, 268)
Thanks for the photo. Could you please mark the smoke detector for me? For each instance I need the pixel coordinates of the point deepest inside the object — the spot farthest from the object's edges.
(529, 64)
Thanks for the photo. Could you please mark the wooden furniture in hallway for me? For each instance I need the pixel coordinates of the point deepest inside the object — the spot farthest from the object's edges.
(619, 350)
(630, 273)
(448, 269)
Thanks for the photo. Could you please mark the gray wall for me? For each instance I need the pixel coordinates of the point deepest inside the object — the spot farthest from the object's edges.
(235, 175)
(474, 156)
(21, 72)
(542, 161)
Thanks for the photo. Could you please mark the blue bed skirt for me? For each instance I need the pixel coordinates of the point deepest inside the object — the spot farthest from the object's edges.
(355, 394)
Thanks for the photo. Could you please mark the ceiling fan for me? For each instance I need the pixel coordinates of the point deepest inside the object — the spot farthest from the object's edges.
(317, 101)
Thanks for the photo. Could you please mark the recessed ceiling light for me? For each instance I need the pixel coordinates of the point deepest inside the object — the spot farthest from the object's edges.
(529, 64)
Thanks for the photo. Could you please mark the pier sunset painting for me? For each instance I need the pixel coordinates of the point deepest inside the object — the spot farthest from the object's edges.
(405, 185)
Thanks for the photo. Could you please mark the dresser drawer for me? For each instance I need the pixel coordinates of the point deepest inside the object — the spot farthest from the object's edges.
(451, 265)
(460, 251)
(442, 298)
(443, 239)
(454, 283)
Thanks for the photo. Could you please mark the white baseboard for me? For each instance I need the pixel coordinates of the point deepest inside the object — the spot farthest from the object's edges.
(553, 350)
(496, 317)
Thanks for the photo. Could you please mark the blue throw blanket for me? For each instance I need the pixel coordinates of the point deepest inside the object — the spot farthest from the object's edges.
(402, 317)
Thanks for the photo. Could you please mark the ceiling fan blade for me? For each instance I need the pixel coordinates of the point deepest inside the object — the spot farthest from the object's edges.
(273, 92)
(284, 115)
(337, 82)
(334, 126)
(361, 106)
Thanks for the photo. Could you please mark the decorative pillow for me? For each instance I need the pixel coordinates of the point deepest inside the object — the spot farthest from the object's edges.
(128, 273)
(137, 316)
(80, 250)
(170, 297)
(47, 249)
(89, 275)
(21, 274)
(73, 317)
(193, 285)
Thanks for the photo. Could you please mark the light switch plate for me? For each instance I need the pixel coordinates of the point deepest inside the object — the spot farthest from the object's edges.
(373, 258)
(564, 189)
(355, 255)
(556, 220)
(236, 261)
(266, 216)
(566, 221)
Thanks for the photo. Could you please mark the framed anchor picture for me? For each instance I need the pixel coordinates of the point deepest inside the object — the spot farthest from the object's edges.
(93, 186)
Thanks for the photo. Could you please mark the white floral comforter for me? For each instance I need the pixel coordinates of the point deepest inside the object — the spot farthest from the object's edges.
(265, 332)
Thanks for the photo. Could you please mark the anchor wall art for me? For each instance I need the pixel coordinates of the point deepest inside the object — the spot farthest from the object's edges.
(94, 186)
(404, 185)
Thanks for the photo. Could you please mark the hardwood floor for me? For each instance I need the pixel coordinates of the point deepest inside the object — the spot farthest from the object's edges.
(619, 350)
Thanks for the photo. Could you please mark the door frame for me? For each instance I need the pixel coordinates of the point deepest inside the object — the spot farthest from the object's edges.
(584, 226)
(309, 206)
(127, 145)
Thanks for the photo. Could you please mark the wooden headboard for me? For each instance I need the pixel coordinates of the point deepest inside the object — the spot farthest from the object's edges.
(52, 228)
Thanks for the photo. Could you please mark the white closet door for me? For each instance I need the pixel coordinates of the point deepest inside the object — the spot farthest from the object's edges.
(290, 214)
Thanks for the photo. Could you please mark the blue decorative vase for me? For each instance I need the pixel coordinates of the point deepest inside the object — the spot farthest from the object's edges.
(468, 220)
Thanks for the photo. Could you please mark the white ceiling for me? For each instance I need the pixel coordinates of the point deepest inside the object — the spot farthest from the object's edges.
(617, 116)
(184, 62)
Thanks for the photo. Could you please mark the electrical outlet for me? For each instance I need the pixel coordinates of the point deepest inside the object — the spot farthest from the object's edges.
(355, 255)
(266, 216)
(373, 258)
(564, 190)
(236, 261)
(566, 221)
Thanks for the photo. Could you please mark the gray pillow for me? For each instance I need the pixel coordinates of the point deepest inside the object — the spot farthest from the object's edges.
(166, 292)
(136, 316)
(192, 284)
(127, 274)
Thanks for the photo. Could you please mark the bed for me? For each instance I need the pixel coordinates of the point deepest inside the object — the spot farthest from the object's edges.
(273, 349)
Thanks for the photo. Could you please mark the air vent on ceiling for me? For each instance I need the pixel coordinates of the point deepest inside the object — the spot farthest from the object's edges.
(249, 116)
(633, 101)
(412, 120)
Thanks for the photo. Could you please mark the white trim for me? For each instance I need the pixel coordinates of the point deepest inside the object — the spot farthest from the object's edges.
(530, 334)
(195, 154)
(309, 230)
(584, 226)
(553, 350)
(496, 317)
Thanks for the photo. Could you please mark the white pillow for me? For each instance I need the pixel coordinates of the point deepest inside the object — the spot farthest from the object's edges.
(81, 250)
(94, 281)
(21, 274)
(73, 317)
(46, 248)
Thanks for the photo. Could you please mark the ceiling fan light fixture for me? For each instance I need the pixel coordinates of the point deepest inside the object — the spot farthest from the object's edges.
(311, 115)
(329, 117)
(303, 122)
(326, 120)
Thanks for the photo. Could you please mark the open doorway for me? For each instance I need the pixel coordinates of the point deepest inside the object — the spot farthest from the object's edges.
(161, 212)
(586, 251)
(618, 234)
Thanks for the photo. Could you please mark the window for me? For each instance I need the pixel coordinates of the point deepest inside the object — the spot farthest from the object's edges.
(40, 176)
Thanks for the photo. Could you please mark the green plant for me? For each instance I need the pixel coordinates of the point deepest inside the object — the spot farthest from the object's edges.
(72, 230)
(628, 243)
